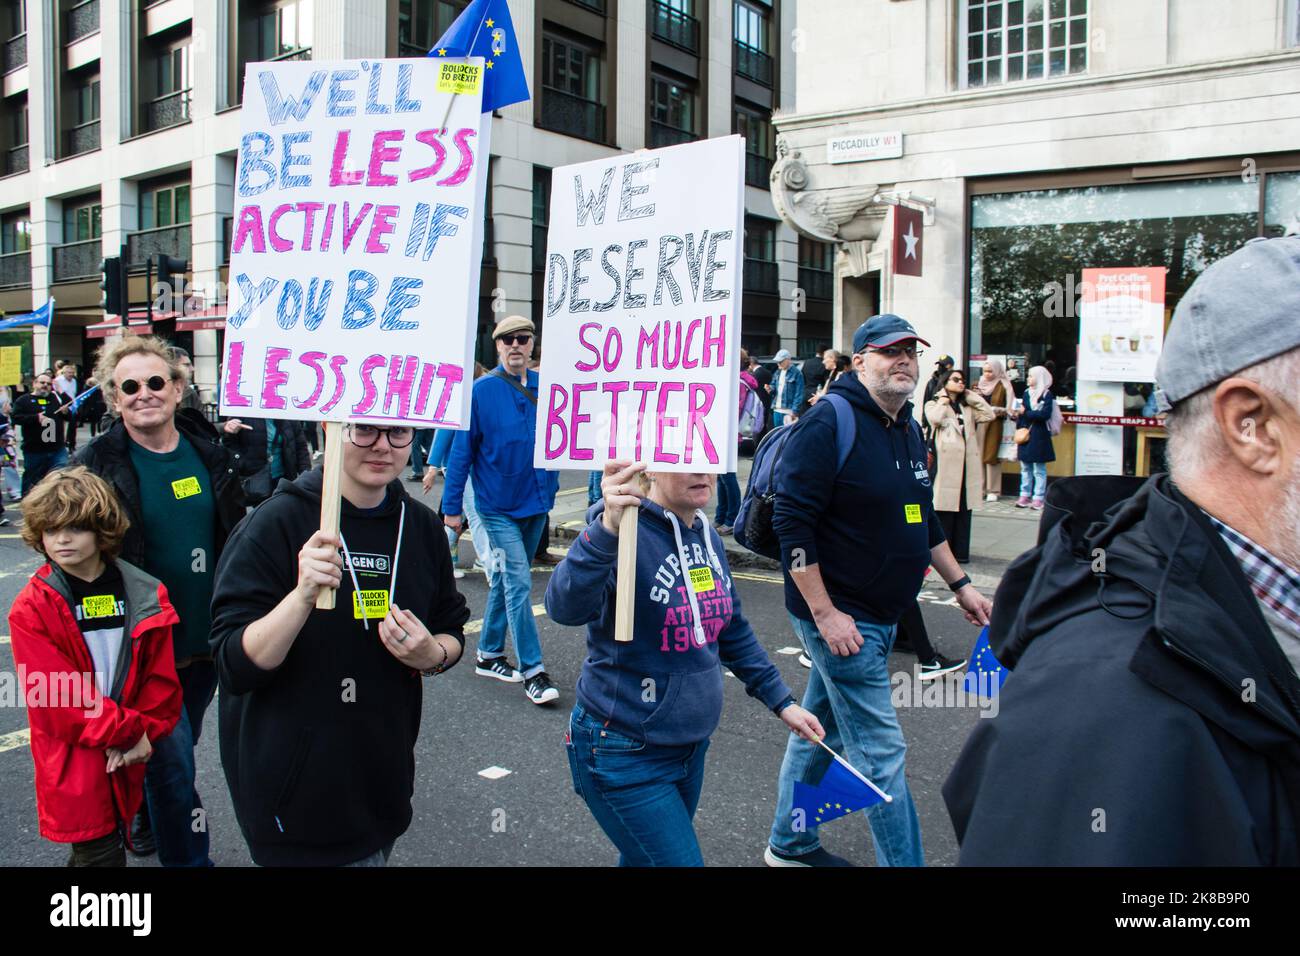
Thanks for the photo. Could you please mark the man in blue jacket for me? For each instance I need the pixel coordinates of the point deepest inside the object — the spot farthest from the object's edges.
(513, 500)
(855, 543)
(787, 389)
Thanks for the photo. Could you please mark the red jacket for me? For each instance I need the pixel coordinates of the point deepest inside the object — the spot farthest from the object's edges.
(76, 798)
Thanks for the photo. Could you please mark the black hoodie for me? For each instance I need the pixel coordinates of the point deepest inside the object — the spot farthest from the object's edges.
(319, 752)
(1150, 719)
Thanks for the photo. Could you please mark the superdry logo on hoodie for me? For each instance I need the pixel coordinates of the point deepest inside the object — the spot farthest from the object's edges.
(712, 597)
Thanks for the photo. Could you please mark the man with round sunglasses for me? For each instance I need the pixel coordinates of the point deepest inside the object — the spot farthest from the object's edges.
(42, 415)
(320, 709)
(513, 499)
(181, 492)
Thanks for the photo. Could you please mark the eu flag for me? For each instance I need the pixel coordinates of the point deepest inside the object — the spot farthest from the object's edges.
(41, 316)
(484, 29)
(984, 675)
(842, 791)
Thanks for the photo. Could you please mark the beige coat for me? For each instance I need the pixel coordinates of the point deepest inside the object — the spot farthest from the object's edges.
(950, 447)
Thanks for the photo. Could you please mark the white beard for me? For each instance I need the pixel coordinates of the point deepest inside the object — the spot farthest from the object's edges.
(1288, 538)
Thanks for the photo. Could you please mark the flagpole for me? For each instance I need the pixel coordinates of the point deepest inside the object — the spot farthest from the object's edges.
(851, 769)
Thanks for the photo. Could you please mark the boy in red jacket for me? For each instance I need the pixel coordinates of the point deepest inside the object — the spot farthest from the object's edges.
(92, 639)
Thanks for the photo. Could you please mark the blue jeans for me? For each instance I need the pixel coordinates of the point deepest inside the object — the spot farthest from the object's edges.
(728, 499)
(420, 446)
(509, 601)
(180, 833)
(643, 795)
(851, 697)
(593, 487)
(38, 464)
(1033, 473)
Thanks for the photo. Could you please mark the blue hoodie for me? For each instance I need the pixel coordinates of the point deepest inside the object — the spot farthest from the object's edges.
(682, 635)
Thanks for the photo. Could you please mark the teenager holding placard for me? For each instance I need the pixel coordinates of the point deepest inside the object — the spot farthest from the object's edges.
(320, 710)
(646, 709)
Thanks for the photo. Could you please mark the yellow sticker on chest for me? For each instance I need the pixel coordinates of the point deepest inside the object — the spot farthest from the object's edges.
(186, 487)
(702, 580)
(99, 605)
(912, 513)
(375, 603)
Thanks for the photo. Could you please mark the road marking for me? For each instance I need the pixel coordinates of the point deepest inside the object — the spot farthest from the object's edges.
(569, 491)
(10, 536)
(765, 578)
(473, 627)
(494, 773)
(4, 638)
(789, 651)
(19, 738)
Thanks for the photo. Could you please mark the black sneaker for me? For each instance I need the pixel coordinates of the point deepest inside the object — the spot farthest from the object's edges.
(817, 857)
(939, 665)
(539, 689)
(498, 667)
(142, 842)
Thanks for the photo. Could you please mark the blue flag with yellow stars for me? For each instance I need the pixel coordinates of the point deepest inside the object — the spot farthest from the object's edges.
(485, 30)
(842, 791)
(984, 675)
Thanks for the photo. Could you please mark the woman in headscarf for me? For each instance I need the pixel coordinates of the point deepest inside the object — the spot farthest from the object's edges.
(1037, 412)
(995, 388)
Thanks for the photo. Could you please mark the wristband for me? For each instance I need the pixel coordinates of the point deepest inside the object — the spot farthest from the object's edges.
(439, 667)
(960, 583)
(783, 705)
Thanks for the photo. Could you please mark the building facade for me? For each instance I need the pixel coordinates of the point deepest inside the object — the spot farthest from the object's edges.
(1037, 138)
(120, 122)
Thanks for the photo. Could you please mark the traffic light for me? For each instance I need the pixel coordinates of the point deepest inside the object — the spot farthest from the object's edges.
(113, 297)
(170, 276)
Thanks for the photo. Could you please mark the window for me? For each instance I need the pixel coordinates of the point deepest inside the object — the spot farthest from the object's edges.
(15, 233)
(815, 255)
(85, 102)
(673, 21)
(751, 25)
(761, 270)
(1010, 40)
(672, 112)
(541, 215)
(755, 124)
(82, 221)
(167, 205)
(16, 122)
(166, 74)
(421, 23)
(14, 22)
(571, 88)
(280, 31)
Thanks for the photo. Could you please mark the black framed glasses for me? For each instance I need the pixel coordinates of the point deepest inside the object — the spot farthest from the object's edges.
(894, 351)
(517, 338)
(363, 436)
(155, 383)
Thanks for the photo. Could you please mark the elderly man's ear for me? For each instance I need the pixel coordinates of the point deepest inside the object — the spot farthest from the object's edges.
(1254, 426)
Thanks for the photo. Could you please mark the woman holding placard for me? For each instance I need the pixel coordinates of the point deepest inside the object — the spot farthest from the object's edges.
(640, 729)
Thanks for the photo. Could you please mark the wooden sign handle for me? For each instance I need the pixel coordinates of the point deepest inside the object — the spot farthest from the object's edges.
(625, 595)
(331, 499)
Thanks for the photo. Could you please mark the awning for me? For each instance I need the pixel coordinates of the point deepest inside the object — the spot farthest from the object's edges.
(192, 320)
(102, 330)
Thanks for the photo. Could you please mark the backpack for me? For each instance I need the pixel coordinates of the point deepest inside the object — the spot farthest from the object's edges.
(752, 528)
(751, 413)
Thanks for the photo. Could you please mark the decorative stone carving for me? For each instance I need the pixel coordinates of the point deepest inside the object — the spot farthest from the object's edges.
(841, 214)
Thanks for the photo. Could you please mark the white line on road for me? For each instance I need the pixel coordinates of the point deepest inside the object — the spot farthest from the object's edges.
(789, 651)
(494, 773)
(19, 738)
(473, 627)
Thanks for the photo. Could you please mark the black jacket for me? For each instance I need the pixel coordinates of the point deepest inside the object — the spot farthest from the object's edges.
(868, 526)
(109, 456)
(1150, 718)
(26, 413)
(319, 753)
(248, 445)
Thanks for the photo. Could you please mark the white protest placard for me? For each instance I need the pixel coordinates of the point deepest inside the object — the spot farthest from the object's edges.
(356, 242)
(642, 310)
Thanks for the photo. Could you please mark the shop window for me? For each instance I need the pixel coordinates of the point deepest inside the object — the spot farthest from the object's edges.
(1282, 204)
(1004, 41)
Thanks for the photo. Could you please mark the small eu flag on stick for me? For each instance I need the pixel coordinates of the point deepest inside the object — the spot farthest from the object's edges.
(984, 675)
(484, 29)
(842, 791)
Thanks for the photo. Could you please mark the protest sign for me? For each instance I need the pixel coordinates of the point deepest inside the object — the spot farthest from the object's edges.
(642, 320)
(11, 365)
(642, 310)
(355, 249)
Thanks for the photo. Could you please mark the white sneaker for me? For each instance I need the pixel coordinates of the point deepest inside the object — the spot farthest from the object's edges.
(457, 573)
(990, 497)
(805, 661)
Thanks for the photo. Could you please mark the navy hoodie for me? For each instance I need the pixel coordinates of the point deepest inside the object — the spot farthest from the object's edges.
(684, 702)
(871, 527)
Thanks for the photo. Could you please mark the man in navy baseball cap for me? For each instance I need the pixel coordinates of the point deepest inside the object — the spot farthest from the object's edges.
(881, 331)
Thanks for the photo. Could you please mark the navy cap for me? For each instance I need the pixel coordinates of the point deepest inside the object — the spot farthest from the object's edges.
(882, 330)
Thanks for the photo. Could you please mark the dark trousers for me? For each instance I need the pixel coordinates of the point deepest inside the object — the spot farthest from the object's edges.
(38, 464)
(102, 851)
(175, 811)
(956, 525)
(544, 541)
(911, 628)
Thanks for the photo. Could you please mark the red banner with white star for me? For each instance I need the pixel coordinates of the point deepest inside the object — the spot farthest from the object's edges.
(907, 241)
